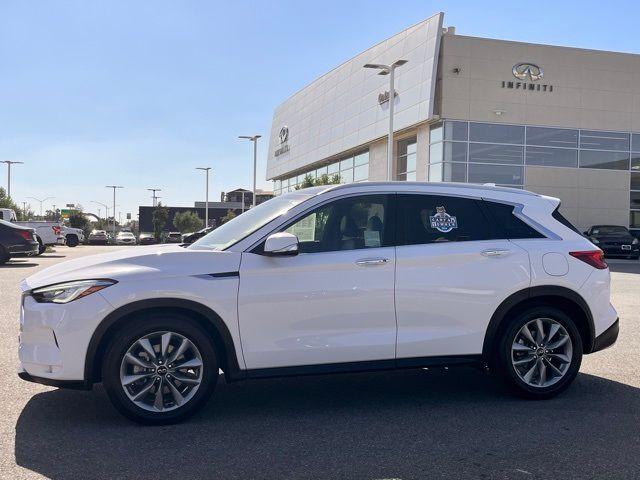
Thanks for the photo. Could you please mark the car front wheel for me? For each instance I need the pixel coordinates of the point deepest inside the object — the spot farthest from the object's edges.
(540, 352)
(160, 370)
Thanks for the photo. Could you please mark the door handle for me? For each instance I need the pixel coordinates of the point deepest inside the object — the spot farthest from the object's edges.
(366, 262)
(495, 252)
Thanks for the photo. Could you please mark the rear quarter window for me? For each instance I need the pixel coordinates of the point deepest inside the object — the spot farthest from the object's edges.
(506, 224)
(560, 218)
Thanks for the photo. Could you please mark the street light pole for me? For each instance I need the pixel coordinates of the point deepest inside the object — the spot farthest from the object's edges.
(106, 209)
(24, 211)
(206, 200)
(154, 190)
(41, 201)
(389, 70)
(9, 163)
(253, 139)
(114, 206)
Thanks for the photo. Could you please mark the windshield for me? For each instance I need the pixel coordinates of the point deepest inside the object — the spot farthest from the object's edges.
(609, 230)
(245, 224)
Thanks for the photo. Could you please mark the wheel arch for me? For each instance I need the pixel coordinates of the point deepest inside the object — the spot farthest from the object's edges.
(559, 297)
(201, 314)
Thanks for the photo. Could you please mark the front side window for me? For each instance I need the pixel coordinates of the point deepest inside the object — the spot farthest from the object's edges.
(436, 219)
(346, 224)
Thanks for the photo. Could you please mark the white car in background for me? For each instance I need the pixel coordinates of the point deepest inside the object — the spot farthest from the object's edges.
(366, 276)
(125, 238)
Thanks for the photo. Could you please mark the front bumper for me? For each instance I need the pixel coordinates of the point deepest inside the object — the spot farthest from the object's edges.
(75, 384)
(607, 338)
(54, 338)
(620, 250)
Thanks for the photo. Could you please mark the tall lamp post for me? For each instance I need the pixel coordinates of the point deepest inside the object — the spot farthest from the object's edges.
(206, 200)
(153, 194)
(114, 206)
(389, 70)
(9, 163)
(253, 139)
(106, 209)
(41, 202)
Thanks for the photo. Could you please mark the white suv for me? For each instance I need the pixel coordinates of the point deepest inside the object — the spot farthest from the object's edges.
(327, 279)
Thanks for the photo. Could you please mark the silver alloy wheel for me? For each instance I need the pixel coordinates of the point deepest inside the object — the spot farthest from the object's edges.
(161, 371)
(541, 352)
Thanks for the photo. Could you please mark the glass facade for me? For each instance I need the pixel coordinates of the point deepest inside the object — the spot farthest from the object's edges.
(479, 152)
(407, 153)
(500, 144)
(353, 168)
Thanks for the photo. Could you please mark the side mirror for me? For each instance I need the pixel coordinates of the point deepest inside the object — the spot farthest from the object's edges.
(282, 243)
(586, 233)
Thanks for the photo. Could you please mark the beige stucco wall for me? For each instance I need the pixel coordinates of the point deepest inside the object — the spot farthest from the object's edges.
(588, 196)
(591, 89)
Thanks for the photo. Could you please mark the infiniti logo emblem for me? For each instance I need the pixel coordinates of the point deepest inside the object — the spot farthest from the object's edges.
(527, 71)
(283, 135)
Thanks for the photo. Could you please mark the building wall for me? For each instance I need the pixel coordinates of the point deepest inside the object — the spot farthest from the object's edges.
(340, 110)
(588, 196)
(591, 89)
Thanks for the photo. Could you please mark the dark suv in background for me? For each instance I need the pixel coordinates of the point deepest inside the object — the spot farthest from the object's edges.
(614, 240)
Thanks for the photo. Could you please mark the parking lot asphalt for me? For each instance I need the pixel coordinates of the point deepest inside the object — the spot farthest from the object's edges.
(413, 424)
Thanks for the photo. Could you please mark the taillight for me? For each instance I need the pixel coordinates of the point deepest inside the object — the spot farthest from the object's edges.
(26, 234)
(595, 258)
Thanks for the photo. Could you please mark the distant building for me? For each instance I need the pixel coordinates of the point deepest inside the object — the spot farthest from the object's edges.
(237, 196)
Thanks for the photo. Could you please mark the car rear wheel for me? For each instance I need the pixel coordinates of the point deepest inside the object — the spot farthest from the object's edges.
(540, 353)
(72, 241)
(4, 255)
(160, 369)
(41, 246)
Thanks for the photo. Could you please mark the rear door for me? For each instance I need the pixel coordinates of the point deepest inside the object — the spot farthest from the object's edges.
(451, 274)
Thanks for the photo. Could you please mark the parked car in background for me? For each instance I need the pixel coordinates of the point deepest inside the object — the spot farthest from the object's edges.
(48, 234)
(125, 238)
(373, 275)
(146, 238)
(74, 236)
(16, 241)
(193, 236)
(173, 237)
(614, 241)
(98, 237)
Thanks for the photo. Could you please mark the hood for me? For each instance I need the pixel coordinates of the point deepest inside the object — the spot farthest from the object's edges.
(137, 264)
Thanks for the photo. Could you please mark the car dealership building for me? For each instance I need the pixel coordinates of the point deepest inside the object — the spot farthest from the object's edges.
(554, 120)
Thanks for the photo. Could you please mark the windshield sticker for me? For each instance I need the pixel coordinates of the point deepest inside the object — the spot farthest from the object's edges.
(442, 221)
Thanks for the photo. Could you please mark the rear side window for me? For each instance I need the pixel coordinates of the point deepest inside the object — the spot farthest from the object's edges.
(506, 224)
(438, 218)
(559, 217)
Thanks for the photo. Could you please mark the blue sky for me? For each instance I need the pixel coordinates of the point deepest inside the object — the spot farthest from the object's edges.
(139, 93)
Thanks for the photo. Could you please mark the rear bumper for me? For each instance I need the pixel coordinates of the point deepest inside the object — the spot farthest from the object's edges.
(28, 249)
(607, 338)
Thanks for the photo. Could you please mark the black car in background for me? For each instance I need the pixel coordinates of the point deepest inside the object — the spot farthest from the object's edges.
(146, 238)
(16, 241)
(614, 240)
(193, 236)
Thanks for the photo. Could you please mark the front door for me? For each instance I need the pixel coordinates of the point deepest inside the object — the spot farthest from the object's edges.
(331, 303)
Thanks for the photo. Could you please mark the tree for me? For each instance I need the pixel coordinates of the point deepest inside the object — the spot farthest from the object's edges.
(187, 222)
(229, 216)
(325, 179)
(7, 202)
(160, 216)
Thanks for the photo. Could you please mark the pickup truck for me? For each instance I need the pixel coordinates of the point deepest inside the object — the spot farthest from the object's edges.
(47, 233)
(74, 236)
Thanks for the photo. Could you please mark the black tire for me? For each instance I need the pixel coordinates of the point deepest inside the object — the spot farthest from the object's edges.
(42, 247)
(137, 328)
(4, 255)
(72, 241)
(504, 354)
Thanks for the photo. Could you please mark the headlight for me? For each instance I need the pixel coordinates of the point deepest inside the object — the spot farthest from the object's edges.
(635, 241)
(594, 241)
(69, 291)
